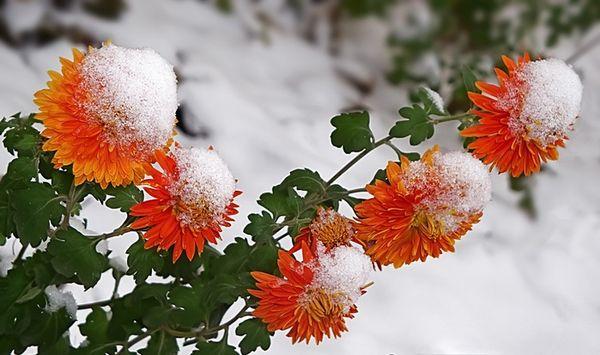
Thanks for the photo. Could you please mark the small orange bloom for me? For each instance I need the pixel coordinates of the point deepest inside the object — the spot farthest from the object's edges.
(525, 118)
(107, 112)
(193, 199)
(313, 298)
(423, 208)
(329, 228)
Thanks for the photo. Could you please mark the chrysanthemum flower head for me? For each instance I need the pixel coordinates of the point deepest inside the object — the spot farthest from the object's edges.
(315, 296)
(192, 199)
(108, 112)
(526, 116)
(329, 228)
(423, 208)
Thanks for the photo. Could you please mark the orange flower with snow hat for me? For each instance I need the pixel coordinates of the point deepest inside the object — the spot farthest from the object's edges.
(313, 297)
(192, 199)
(423, 208)
(526, 117)
(107, 112)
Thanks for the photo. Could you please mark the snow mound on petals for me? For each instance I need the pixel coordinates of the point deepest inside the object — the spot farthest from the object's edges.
(552, 100)
(342, 271)
(58, 299)
(133, 92)
(455, 186)
(204, 179)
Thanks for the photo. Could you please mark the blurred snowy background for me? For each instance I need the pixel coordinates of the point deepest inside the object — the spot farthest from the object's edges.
(259, 80)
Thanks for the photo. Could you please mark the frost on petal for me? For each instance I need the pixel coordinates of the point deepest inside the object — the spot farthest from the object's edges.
(133, 92)
(58, 299)
(342, 272)
(551, 100)
(204, 183)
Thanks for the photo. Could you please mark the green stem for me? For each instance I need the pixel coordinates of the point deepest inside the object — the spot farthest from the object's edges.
(458, 117)
(94, 304)
(357, 159)
(136, 340)
(353, 191)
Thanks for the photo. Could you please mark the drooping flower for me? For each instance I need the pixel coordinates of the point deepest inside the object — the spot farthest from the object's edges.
(525, 118)
(107, 112)
(424, 207)
(192, 199)
(315, 296)
(329, 228)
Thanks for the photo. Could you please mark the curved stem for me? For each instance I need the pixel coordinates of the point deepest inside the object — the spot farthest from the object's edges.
(357, 159)
(136, 340)
(357, 190)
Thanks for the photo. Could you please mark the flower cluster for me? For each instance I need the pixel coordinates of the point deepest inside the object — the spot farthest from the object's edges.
(111, 115)
(314, 296)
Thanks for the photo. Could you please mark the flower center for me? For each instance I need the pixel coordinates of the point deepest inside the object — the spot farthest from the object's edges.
(332, 229)
(320, 304)
(428, 224)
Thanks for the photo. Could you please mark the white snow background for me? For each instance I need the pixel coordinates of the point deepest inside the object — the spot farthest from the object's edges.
(265, 96)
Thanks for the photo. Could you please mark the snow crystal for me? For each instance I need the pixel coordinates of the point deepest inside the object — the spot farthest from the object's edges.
(58, 299)
(435, 98)
(205, 183)
(454, 187)
(342, 272)
(133, 92)
(552, 100)
(118, 263)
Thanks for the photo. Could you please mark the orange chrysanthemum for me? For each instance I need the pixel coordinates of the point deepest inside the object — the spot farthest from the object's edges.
(328, 228)
(423, 208)
(107, 112)
(525, 118)
(310, 299)
(193, 199)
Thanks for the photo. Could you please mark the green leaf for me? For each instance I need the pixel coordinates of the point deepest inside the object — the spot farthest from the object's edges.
(23, 140)
(21, 169)
(430, 106)
(161, 343)
(12, 287)
(95, 328)
(261, 226)
(469, 78)
(74, 254)
(416, 125)
(34, 208)
(29, 295)
(255, 335)
(124, 197)
(62, 181)
(282, 201)
(305, 180)
(142, 261)
(214, 348)
(352, 132)
(46, 328)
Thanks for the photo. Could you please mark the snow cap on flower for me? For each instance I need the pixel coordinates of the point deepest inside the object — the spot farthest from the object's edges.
(456, 185)
(204, 180)
(550, 95)
(435, 98)
(342, 272)
(133, 92)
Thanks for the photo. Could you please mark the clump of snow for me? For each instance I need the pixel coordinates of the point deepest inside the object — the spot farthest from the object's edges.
(453, 187)
(342, 272)
(436, 99)
(58, 299)
(5, 265)
(118, 263)
(102, 247)
(133, 93)
(551, 99)
(205, 183)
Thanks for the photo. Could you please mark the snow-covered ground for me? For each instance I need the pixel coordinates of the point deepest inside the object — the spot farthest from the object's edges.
(265, 97)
